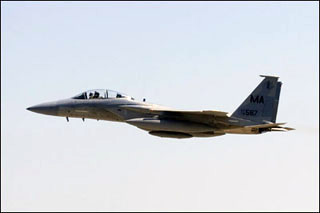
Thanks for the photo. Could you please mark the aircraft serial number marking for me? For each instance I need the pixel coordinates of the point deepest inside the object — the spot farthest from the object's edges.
(249, 112)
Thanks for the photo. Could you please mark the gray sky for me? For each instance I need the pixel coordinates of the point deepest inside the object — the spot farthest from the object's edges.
(186, 55)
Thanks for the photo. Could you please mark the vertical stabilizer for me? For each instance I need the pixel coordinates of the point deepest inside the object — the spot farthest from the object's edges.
(262, 104)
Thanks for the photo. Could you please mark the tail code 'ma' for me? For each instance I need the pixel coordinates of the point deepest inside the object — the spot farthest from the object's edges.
(262, 104)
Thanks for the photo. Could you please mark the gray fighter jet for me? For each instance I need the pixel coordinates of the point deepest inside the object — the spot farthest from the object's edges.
(256, 115)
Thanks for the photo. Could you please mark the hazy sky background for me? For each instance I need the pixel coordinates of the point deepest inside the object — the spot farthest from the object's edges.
(186, 55)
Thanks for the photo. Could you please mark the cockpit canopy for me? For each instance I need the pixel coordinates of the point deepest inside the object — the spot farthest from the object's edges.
(101, 94)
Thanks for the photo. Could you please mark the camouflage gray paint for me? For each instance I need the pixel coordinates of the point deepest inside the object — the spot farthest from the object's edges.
(256, 115)
(262, 104)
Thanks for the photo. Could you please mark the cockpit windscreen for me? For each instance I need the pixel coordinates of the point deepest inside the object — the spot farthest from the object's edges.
(101, 94)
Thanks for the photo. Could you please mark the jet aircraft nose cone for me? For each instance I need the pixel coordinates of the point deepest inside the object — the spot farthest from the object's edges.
(35, 108)
(45, 108)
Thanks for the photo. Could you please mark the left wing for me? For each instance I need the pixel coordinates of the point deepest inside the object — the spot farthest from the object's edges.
(203, 112)
(205, 116)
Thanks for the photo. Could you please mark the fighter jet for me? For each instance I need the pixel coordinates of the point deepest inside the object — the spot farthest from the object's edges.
(257, 114)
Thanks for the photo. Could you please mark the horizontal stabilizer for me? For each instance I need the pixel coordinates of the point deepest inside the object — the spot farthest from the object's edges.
(265, 125)
(272, 127)
(288, 128)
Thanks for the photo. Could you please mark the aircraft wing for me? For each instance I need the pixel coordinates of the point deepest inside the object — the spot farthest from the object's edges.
(205, 116)
(184, 112)
(152, 110)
